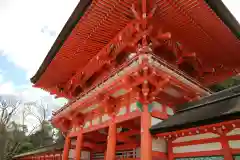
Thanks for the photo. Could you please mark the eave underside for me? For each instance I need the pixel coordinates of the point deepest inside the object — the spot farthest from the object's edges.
(182, 20)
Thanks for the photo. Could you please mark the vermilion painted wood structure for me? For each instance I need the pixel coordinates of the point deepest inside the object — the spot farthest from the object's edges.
(125, 64)
(222, 127)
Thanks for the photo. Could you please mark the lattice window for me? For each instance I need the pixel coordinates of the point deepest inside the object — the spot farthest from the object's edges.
(202, 158)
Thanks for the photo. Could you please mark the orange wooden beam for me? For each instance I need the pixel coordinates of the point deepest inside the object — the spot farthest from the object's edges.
(125, 139)
(126, 146)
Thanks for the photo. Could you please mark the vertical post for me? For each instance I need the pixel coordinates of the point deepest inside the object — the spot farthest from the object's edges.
(170, 150)
(146, 138)
(79, 145)
(225, 147)
(91, 155)
(66, 148)
(111, 144)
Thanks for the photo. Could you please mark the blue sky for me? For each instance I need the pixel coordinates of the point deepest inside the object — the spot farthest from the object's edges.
(11, 72)
(27, 31)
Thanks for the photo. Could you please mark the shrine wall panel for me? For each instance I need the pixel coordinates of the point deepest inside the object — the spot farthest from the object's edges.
(159, 145)
(234, 144)
(196, 137)
(198, 148)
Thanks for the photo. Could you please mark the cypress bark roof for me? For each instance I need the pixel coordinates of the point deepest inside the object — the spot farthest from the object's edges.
(216, 108)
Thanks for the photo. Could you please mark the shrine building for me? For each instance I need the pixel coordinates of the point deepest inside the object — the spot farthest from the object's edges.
(139, 77)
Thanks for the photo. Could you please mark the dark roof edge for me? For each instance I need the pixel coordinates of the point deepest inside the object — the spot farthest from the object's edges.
(213, 101)
(225, 15)
(58, 146)
(66, 31)
(214, 120)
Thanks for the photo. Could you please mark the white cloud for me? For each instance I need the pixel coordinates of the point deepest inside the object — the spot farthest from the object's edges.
(7, 88)
(233, 6)
(27, 31)
(22, 23)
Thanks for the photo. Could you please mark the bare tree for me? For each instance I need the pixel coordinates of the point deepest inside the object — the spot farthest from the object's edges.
(10, 137)
(43, 131)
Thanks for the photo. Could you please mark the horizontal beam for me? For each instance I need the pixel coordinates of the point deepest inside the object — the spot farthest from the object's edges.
(126, 147)
(197, 154)
(118, 119)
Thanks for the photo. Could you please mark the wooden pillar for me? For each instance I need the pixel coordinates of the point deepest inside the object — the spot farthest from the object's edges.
(111, 144)
(170, 150)
(146, 137)
(105, 155)
(79, 143)
(66, 148)
(91, 155)
(226, 148)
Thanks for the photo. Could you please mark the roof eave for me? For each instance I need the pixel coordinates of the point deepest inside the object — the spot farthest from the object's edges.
(66, 31)
(225, 15)
(210, 121)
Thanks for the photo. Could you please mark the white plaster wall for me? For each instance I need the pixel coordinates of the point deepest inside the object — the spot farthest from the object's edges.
(138, 152)
(133, 107)
(87, 124)
(105, 117)
(157, 106)
(198, 147)
(159, 145)
(155, 120)
(71, 153)
(235, 131)
(195, 137)
(96, 121)
(85, 155)
(234, 144)
(122, 111)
